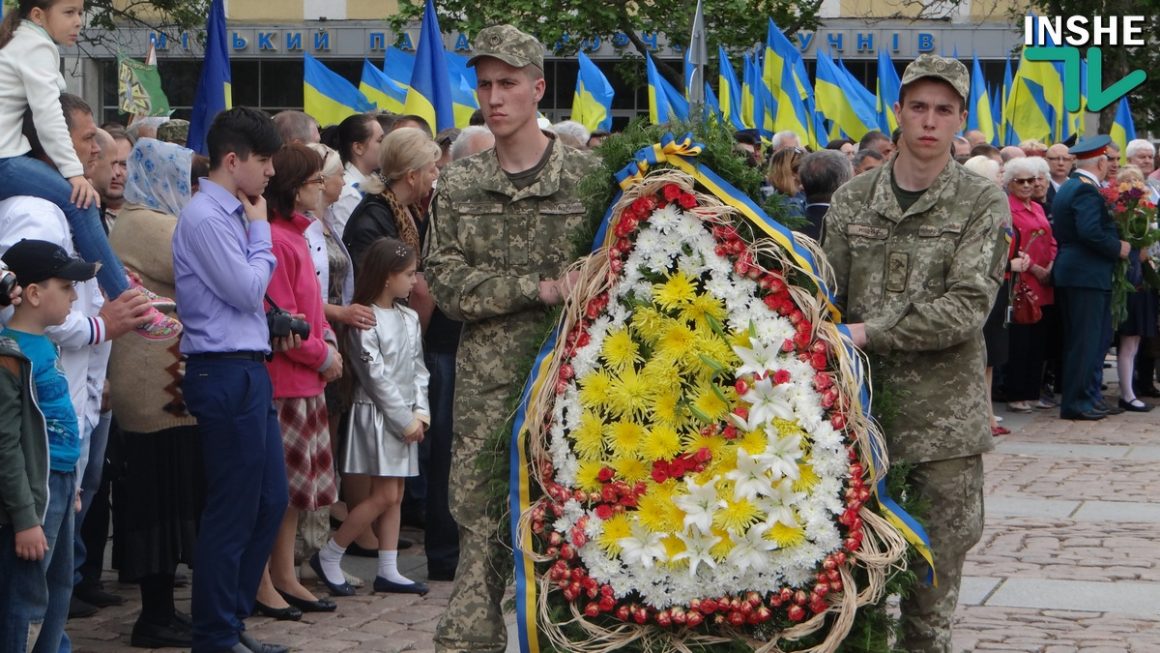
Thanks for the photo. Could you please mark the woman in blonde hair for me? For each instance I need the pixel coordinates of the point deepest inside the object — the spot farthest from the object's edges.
(783, 175)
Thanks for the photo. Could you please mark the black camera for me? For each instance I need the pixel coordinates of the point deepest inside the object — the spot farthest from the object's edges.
(7, 285)
(283, 325)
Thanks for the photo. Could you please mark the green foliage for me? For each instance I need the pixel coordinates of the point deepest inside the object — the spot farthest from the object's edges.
(736, 24)
(164, 15)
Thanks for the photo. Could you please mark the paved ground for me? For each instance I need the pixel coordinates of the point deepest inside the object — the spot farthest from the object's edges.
(1068, 561)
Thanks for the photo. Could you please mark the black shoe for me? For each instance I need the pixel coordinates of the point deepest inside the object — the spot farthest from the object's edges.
(147, 635)
(78, 609)
(260, 647)
(1087, 416)
(1112, 410)
(96, 595)
(288, 613)
(1148, 391)
(1132, 407)
(384, 585)
(344, 589)
(319, 605)
(435, 573)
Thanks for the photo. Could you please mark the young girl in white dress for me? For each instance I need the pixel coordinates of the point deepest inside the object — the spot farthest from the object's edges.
(388, 418)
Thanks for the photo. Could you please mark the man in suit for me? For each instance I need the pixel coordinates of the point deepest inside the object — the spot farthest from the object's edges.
(1088, 249)
(821, 173)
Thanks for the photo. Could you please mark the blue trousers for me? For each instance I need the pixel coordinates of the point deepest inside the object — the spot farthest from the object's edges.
(34, 596)
(1083, 312)
(246, 493)
(24, 175)
(90, 483)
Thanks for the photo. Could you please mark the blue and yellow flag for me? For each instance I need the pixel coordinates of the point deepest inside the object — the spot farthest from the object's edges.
(327, 96)
(214, 94)
(1123, 128)
(887, 96)
(380, 89)
(1044, 81)
(592, 102)
(464, 101)
(1029, 111)
(784, 79)
(665, 103)
(752, 100)
(729, 91)
(979, 104)
(1006, 133)
(399, 65)
(430, 93)
(839, 101)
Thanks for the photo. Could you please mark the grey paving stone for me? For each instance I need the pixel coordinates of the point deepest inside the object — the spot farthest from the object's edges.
(1116, 598)
(1056, 450)
(1008, 506)
(1143, 453)
(1120, 511)
(974, 589)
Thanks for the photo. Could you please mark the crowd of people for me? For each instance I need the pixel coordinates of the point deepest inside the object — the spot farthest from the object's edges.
(351, 301)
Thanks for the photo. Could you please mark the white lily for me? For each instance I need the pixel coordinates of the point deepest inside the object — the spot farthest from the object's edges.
(752, 549)
(642, 548)
(758, 358)
(697, 545)
(750, 476)
(699, 505)
(766, 401)
(779, 504)
(783, 454)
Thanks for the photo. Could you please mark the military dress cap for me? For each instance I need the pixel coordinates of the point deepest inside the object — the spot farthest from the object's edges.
(1090, 147)
(951, 71)
(509, 45)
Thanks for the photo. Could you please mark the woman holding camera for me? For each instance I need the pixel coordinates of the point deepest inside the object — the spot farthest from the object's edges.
(299, 375)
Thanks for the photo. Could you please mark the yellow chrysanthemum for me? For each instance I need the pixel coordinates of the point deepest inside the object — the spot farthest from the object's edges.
(630, 468)
(659, 374)
(677, 291)
(588, 437)
(666, 406)
(701, 309)
(677, 345)
(708, 404)
(673, 546)
(807, 478)
(693, 441)
(625, 437)
(656, 510)
(649, 323)
(721, 550)
(629, 394)
(737, 515)
(616, 528)
(661, 443)
(753, 442)
(619, 350)
(786, 536)
(712, 346)
(588, 475)
(594, 389)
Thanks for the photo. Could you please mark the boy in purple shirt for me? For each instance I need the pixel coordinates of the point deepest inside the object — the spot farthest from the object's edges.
(222, 261)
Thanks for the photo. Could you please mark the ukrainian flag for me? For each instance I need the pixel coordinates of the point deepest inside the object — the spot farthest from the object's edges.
(327, 96)
(868, 99)
(1123, 128)
(1044, 80)
(1005, 132)
(729, 91)
(430, 94)
(784, 78)
(887, 97)
(839, 101)
(979, 105)
(752, 106)
(665, 103)
(399, 66)
(381, 89)
(464, 101)
(214, 93)
(592, 102)
(1028, 111)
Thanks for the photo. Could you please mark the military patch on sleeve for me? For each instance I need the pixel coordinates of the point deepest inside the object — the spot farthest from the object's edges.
(867, 231)
(897, 270)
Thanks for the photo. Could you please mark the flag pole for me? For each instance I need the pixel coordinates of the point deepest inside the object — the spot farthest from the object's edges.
(698, 59)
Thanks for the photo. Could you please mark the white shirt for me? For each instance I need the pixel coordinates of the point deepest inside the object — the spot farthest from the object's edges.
(316, 243)
(349, 198)
(84, 350)
(30, 76)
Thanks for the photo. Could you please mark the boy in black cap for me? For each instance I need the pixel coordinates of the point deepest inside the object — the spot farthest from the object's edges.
(37, 595)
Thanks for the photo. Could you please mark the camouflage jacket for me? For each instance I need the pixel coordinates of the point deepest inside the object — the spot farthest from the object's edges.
(923, 281)
(489, 246)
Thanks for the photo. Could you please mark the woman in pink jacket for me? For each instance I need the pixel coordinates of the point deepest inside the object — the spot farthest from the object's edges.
(299, 375)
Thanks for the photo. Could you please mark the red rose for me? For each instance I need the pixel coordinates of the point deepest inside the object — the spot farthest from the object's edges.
(604, 511)
(671, 192)
(687, 200)
(605, 475)
(780, 377)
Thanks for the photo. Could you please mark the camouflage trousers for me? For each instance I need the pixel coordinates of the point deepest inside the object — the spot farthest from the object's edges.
(474, 621)
(954, 523)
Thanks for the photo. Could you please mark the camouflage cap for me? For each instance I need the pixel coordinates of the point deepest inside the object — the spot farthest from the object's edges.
(509, 45)
(951, 71)
(174, 131)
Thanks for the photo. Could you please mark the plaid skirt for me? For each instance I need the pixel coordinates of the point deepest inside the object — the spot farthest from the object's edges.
(306, 443)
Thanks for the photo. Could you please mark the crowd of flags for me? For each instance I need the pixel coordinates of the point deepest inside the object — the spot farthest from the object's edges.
(773, 93)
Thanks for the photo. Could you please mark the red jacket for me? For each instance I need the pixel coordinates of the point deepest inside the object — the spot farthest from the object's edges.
(1035, 238)
(294, 287)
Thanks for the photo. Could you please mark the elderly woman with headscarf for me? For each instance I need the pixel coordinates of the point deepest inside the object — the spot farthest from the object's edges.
(159, 490)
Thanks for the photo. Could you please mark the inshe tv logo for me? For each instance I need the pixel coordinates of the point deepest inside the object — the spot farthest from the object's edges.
(1045, 39)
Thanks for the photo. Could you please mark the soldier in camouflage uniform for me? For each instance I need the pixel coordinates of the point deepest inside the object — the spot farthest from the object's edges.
(501, 237)
(918, 246)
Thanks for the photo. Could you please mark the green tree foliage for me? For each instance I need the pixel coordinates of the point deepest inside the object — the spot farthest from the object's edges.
(736, 24)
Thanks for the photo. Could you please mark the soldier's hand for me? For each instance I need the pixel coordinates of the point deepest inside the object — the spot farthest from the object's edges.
(1125, 249)
(858, 333)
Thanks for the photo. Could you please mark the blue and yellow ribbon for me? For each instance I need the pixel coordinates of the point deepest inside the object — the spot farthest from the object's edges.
(682, 154)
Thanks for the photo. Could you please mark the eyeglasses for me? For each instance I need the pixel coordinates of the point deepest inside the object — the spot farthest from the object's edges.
(320, 180)
(1059, 158)
(1025, 180)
